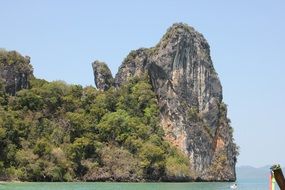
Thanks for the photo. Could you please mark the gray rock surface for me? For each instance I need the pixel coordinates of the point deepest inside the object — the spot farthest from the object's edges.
(189, 92)
(15, 71)
(102, 75)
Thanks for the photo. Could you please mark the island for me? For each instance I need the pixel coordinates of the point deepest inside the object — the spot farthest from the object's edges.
(161, 118)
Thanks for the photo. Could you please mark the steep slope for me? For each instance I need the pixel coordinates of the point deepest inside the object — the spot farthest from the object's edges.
(189, 93)
(14, 71)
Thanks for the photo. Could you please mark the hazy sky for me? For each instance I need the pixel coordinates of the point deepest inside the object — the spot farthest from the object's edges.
(246, 38)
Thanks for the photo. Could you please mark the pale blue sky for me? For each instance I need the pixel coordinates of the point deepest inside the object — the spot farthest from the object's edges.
(246, 38)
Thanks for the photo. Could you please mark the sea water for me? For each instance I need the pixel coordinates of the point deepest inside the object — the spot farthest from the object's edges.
(259, 184)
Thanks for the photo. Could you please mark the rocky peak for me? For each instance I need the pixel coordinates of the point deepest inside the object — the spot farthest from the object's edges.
(133, 65)
(102, 75)
(183, 55)
(15, 71)
(189, 94)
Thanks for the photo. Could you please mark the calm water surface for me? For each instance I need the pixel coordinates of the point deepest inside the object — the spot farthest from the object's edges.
(242, 184)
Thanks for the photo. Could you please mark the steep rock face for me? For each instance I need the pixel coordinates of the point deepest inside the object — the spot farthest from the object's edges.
(15, 70)
(189, 93)
(134, 65)
(102, 75)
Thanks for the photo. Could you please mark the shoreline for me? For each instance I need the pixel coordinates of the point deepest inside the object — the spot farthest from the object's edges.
(6, 182)
(3, 182)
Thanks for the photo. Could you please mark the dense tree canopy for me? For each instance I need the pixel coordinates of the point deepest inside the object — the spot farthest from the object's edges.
(59, 132)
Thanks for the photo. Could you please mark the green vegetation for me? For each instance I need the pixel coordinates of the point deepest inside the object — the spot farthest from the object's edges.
(16, 59)
(59, 132)
(193, 114)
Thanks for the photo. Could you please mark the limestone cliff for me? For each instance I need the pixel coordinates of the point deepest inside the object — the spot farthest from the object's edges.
(189, 93)
(15, 70)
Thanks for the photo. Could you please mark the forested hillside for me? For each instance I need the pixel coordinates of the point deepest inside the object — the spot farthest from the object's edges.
(53, 131)
(162, 117)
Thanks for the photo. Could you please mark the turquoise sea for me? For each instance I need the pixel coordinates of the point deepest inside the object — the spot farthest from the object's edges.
(242, 185)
